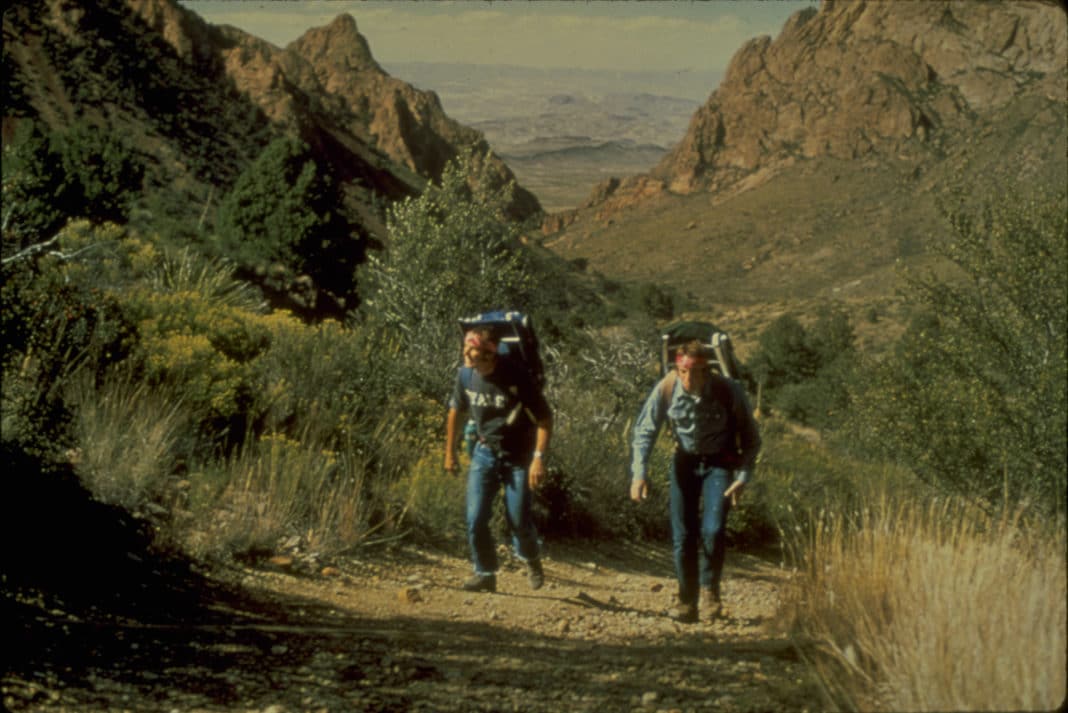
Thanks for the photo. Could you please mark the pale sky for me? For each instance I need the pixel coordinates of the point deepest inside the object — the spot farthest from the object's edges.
(627, 35)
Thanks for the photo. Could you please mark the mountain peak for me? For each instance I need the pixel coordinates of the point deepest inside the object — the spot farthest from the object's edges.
(338, 45)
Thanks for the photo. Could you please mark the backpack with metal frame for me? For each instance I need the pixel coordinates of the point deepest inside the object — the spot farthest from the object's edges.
(716, 345)
(517, 343)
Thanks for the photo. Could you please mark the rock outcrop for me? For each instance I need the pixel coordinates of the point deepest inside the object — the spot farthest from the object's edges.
(860, 78)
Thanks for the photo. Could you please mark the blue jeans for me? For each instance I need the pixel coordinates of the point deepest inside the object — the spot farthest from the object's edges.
(698, 536)
(488, 472)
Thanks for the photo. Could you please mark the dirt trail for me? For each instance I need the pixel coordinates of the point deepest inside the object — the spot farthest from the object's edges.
(395, 633)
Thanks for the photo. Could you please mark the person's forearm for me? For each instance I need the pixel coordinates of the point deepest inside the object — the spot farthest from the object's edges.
(543, 436)
(451, 430)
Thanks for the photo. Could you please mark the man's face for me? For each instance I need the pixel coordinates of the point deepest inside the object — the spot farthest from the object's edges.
(692, 376)
(482, 359)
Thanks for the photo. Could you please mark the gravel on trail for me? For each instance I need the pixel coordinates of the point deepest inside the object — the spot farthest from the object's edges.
(394, 631)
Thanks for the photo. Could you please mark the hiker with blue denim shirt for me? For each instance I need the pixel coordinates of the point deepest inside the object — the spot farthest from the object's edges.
(716, 445)
(514, 424)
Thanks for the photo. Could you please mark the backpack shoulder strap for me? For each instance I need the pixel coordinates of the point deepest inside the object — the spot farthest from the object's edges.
(667, 386)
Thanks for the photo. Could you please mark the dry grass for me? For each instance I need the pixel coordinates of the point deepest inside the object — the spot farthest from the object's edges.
(126, 435)
(282, 490)
(925, 608)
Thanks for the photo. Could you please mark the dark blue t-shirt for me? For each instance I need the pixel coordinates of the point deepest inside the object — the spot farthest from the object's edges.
(505, 405)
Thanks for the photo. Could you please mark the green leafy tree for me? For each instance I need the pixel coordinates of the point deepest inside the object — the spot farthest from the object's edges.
(283, 209)
(783, 355)
(450, 253)
(78, 173)
(974, 400)
(33, 185)
(102, 172)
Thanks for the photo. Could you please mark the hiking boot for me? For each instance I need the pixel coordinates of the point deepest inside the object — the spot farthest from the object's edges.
(712, 604)
(481, 583)
(686, 613)
(535, 574)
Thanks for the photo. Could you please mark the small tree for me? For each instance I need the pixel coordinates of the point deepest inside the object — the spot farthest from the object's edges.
(103, 175)
(283, 209)
(81, 172)
(783, 356)
(32, 187)
(804, 372)
(451, 253)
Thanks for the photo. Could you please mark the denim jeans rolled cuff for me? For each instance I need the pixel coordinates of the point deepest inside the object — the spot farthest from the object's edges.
(485, 478)
(698, 534)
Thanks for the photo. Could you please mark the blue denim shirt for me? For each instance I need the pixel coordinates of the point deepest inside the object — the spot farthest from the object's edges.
(718, 422)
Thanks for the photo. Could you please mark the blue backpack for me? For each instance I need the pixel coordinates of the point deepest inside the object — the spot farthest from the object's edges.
(516, 340)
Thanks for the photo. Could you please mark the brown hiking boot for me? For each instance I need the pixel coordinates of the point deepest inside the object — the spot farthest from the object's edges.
(712, 605)
(686, 613)
(481, 583)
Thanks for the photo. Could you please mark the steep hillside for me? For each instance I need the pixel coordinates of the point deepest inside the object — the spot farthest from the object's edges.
(200, 101)
(816, 166)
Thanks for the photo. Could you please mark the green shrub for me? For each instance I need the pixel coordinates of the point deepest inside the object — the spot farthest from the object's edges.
(805, 373)
(55, 323)
(283, 209)
(450, 254)
(974, 400)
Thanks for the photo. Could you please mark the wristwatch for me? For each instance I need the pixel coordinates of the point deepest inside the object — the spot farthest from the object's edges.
(539, 454)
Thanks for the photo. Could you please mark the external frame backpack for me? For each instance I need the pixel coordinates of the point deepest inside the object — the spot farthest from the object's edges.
(717, 343)
(517, 343)
(516, 340)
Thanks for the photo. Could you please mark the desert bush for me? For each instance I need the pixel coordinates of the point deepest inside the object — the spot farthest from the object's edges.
(200, 348)
(905, 606)
(54, 324)
(974, 399)
(275, 488)
(596, 388)
(433, 502)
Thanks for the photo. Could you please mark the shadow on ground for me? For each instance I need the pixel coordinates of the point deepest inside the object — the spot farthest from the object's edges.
(99, 621)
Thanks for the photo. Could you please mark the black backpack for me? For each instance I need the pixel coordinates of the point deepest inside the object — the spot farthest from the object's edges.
(716, 342)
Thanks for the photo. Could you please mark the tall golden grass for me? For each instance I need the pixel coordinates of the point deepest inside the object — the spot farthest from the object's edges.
(934, 607)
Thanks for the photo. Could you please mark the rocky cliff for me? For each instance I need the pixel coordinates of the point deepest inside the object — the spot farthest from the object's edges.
(821, 164)
(328, 81)
(864, 79)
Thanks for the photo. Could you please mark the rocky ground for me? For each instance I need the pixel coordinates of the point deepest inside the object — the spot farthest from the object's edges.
(394, 631)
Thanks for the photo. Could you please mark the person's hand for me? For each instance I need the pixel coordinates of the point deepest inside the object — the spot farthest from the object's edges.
(734, 491)
(450, 463)
(536, 472)
(639, 490)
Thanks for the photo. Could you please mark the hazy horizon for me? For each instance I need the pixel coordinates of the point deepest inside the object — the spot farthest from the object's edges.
(624, 35)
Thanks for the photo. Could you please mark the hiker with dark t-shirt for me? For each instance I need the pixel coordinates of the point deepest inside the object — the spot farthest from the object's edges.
(514, 424)
(716, 445)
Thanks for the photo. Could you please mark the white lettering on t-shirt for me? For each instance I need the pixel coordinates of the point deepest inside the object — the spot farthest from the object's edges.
(482, 400)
